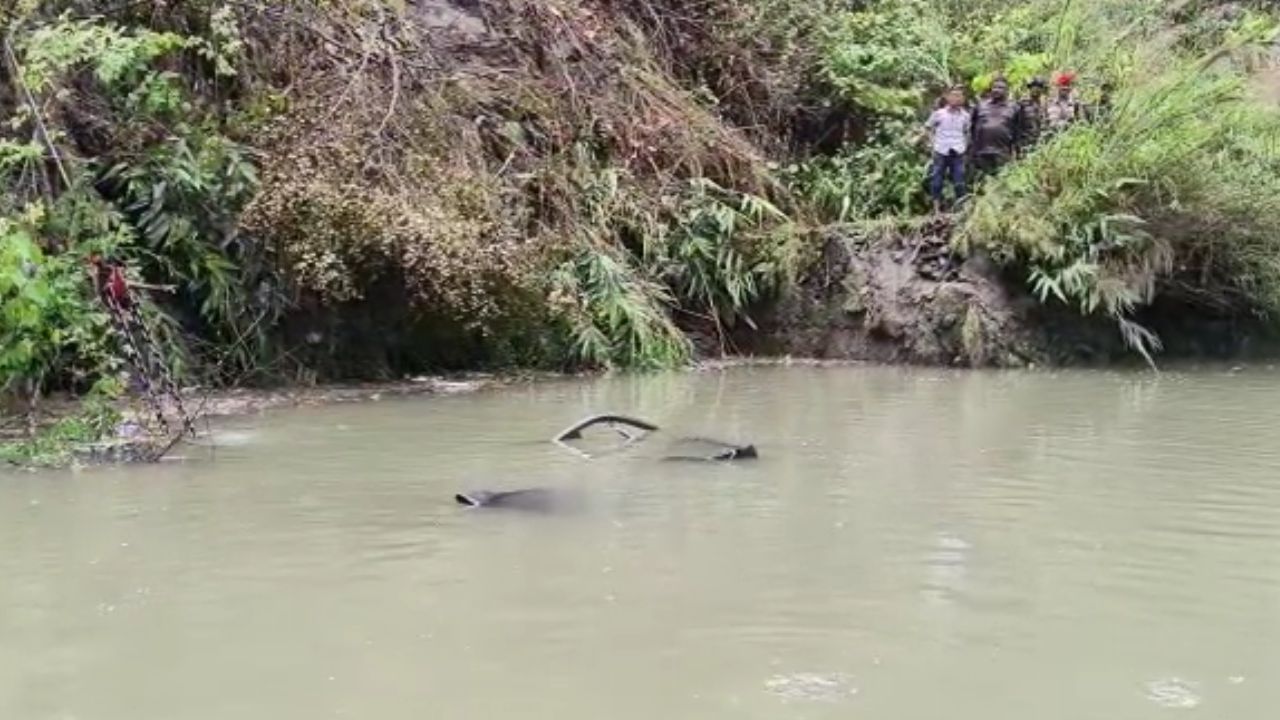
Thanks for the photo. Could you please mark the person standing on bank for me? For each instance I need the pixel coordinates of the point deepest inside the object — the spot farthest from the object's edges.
(1032, 111)
(949, 133)
(996, 129)
(1102, 110)
(1064, 109)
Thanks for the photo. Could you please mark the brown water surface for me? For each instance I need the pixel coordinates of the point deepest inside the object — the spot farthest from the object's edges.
(912, 544)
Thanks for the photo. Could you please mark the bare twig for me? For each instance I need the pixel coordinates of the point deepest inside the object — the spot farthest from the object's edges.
(395, 94)
(16, 70)
(356, 77)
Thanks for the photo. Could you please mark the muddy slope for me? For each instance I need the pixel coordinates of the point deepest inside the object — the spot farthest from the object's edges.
(902, 296)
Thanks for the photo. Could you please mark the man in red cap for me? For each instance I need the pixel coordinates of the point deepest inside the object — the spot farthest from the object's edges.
(1063, 108)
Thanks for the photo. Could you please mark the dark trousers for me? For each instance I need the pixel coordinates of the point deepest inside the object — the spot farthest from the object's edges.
(951, 164)
(989, 163)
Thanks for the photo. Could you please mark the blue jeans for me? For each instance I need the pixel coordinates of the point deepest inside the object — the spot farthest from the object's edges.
(952, 163)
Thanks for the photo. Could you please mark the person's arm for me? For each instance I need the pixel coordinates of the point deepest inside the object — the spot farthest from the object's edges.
(930, 129)
(1019, 131)
(973, 129)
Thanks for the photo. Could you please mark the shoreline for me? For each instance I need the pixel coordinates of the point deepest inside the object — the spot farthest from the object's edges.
(206, 406)
(244, 402)
(211, 406)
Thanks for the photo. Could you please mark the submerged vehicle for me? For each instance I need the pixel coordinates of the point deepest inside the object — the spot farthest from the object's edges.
(624, 432)
(633, 430)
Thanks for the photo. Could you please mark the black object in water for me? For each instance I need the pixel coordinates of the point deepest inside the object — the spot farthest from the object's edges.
(700, 449)
(695, 448)
(535, 499)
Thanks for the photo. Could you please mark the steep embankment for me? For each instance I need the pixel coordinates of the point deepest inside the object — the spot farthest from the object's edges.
(902, 294)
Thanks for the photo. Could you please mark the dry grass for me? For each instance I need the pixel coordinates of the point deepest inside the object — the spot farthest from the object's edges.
(468, 164)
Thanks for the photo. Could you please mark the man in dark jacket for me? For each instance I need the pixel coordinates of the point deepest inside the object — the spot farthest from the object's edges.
(1032, 111)
(1102, 109)
(997, 129)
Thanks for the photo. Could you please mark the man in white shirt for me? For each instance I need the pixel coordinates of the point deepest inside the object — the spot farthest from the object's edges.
(949, 127)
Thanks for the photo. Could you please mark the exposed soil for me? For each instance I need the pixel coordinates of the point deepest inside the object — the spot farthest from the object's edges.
(904, 297)
(900, 295)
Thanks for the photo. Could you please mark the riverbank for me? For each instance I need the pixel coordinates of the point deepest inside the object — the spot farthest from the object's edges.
(343, 190)
(891, 294)
(128, 445)
(901, 292)
(130, 442)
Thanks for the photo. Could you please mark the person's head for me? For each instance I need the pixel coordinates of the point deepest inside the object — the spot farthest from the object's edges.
(1106, 90)
(1036, 87)
(1065, 83)
(954, 97)
(999, 89)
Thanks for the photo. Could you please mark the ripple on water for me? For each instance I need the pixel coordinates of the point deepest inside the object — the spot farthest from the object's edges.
(1173, 693)
(812, 687)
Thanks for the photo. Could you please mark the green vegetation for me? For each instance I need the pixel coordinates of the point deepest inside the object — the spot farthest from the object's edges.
(1170, 196)
(1173, 194)
(360, 188)
(53, 443)
(47, 324)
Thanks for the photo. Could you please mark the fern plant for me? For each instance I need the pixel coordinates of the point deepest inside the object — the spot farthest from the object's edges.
(616, 317)
(719, 257)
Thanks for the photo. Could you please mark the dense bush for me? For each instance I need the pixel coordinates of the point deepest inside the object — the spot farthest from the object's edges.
(128, 161)
(48, 324)
(887, 58)
(883, 176)
(263, 164)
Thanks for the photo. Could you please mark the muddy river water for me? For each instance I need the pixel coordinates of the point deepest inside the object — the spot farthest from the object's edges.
(911, 544)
